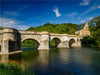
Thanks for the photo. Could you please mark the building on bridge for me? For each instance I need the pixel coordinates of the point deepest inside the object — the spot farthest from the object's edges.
(83, 30)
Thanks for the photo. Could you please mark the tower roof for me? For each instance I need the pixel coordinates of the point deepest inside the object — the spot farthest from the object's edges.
(81, 26)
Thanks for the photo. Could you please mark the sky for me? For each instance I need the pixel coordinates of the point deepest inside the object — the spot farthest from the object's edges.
(22, 14)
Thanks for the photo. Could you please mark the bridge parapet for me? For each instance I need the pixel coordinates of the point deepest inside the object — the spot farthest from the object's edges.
(28, 32)
(9, 30)
(55, 34)
(44, 32)
(75, 36)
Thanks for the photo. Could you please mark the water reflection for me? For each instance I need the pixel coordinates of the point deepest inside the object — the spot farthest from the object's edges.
(74, 61)
(10, 58)
(43, 58)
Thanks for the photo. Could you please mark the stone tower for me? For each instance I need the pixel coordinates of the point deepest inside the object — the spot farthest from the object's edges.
(83, 30)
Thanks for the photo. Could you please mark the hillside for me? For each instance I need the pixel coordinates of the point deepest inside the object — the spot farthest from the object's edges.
(56, 28)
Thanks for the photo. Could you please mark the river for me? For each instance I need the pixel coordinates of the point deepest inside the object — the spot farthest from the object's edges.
(73, 61)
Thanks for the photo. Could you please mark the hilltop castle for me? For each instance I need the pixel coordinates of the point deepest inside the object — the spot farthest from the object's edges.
(83, 30)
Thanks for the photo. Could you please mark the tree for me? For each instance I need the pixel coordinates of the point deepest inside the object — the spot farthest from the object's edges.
(67, 28)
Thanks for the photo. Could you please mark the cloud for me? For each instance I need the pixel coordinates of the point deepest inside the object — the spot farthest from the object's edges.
(11, 23)
(85, 2)
(24, 7)
(6, 22)
(79, 17)
(83, 21)
(87, 19)
(72, 14)
(90, 18)
(98, 6)
(90, 9)
(15, 13)
(10, 14)
(56, 12)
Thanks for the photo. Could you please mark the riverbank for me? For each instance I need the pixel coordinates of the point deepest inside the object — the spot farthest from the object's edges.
(13, 69)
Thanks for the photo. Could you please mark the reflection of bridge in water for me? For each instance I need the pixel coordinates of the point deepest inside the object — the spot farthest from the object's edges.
(40, 57)
(48, 60)
(10, 40)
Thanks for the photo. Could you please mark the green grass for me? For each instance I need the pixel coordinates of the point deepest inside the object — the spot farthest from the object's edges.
(13, 69)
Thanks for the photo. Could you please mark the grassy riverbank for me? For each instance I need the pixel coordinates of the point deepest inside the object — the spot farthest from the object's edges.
(13, 69)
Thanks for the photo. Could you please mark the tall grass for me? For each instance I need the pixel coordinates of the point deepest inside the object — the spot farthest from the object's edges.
(13, 69)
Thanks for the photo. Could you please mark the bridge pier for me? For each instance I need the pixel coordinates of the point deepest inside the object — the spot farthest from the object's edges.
(75, 43)
(78, 43)
(5, 47)
(44, 43)
(10, 41)
(63, 44)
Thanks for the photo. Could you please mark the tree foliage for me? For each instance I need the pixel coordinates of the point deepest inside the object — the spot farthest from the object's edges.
(88, 41)
(56, 28)
(93, 41)
(95, 27)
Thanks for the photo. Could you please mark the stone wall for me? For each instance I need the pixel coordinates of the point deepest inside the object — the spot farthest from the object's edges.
(83, 32)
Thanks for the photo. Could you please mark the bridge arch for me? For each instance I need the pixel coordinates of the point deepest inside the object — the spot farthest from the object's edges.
(56, 41)
(10, 42)
(32, 39)
(13, 45)
(72, 42)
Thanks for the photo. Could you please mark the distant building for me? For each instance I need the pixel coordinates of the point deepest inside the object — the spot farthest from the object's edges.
(83, 30)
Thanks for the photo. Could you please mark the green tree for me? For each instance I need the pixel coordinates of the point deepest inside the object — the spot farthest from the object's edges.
(93, 41)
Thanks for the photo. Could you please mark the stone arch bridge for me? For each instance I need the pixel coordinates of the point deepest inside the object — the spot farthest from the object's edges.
(10, 40)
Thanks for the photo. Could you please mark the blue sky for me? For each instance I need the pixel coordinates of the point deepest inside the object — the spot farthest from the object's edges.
(22, 14)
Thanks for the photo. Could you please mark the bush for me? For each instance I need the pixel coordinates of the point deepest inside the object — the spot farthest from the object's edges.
(9, 69)
(13, 69)
(89, 41)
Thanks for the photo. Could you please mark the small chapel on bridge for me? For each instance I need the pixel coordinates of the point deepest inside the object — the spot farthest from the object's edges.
(83, 30)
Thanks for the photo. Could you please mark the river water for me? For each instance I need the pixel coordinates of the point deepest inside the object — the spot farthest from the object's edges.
(73, 61)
